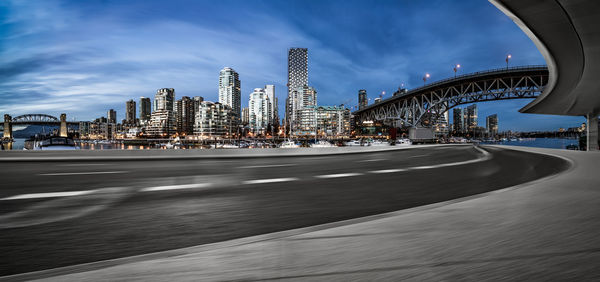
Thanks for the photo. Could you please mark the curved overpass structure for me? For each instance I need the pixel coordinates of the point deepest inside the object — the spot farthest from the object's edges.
(567, 35)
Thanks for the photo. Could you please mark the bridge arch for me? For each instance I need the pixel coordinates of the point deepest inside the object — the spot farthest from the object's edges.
(416, 107)
(35, 118)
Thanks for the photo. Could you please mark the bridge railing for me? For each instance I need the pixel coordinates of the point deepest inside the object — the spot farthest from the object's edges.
(459, 77)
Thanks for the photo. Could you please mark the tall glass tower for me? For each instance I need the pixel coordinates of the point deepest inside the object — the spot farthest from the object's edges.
(297, 78)
(230, 90)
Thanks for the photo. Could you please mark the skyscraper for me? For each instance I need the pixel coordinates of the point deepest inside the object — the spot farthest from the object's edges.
(111, 115)
(230, 90)
(245, 116)
(471, 118)
(491, 124)
(162, 120)
(362, 99)
(259, 111)
(164, 100)
(130, 112)
(145, 109)
(270, 92)
(185, 115)
(297, 77)
(459, 120)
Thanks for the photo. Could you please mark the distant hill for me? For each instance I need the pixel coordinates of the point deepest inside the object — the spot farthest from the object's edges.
(32, 130)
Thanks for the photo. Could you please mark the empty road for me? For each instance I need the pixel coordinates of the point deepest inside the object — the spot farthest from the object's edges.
(55, 214)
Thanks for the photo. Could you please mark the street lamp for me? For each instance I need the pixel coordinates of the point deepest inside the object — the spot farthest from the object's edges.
(456, 69)
(425, 78)
(507, 58)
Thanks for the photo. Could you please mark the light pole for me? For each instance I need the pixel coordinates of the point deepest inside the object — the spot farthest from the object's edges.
(425, 78)
(507, 58)
(456, 69)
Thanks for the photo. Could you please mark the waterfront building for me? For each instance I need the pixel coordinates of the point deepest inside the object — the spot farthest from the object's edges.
(458, 120)
(164, 100)
(162, 120)
(259, 113)
(111, 115)
(214, 119)
(297, 78)
(326, 121)
(306, 96)
(84, 129)
(145, 109)
(130, 117)
(471, 118)
(230, 90)
(185, 115)
(245, 116)
(491, 124)
(270, 93)
(362, 99)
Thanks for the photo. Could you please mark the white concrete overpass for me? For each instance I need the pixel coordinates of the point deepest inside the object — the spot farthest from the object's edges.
(567, 33)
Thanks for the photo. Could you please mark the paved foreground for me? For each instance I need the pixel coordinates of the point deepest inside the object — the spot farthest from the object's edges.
(317, 191)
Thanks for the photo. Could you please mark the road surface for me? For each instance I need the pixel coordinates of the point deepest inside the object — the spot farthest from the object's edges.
(55, 214)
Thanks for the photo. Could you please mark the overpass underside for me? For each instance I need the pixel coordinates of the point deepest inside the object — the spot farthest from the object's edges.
(567, 33)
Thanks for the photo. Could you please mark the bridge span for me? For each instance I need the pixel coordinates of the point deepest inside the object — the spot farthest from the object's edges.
(417, 107)
(35, 119)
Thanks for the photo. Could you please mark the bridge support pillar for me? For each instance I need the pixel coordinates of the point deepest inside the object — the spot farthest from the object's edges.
(7, 127)
(63, 125)
(592, 132)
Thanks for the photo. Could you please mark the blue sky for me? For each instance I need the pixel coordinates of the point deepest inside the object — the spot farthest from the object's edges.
(85, 57)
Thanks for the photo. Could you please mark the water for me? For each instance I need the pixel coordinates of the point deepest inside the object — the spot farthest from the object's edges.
(552, 143)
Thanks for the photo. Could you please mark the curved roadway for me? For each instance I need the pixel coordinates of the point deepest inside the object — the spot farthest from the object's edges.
(108, 209)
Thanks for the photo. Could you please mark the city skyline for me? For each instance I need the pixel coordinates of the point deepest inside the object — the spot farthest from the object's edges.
(56, 52)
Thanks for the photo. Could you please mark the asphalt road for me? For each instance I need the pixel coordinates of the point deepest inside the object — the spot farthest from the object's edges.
(111, 209)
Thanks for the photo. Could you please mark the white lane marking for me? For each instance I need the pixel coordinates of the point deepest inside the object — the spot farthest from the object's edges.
(81, 173)
(338, 175)
(271, 180)
(371, 160)
(388, 170)
(259, 166)
(486, 156)
(48, 195)
(176, 187)
(417, 156)
(79, 164)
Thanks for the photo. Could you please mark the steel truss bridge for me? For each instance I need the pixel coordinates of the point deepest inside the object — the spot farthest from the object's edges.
(419, 107)
(34, 119)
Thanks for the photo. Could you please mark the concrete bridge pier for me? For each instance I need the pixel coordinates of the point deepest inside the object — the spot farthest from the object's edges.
(592, 132)
(7, 127)
(63, 125)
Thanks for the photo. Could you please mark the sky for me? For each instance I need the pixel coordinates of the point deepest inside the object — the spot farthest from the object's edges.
(85, 57)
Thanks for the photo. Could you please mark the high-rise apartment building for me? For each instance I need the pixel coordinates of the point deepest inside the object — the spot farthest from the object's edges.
(459, 120)
(145, 109)
(471, 118)
(491, 124)
(324, 120)
(362, 99)
(214, 119)
(162, 119)
(297, 77)
(130, 112)
(230, 90)
(111, 115)
(164, 100)
(185, 115)
(259, 112)
(245, 116)
(270, 92)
